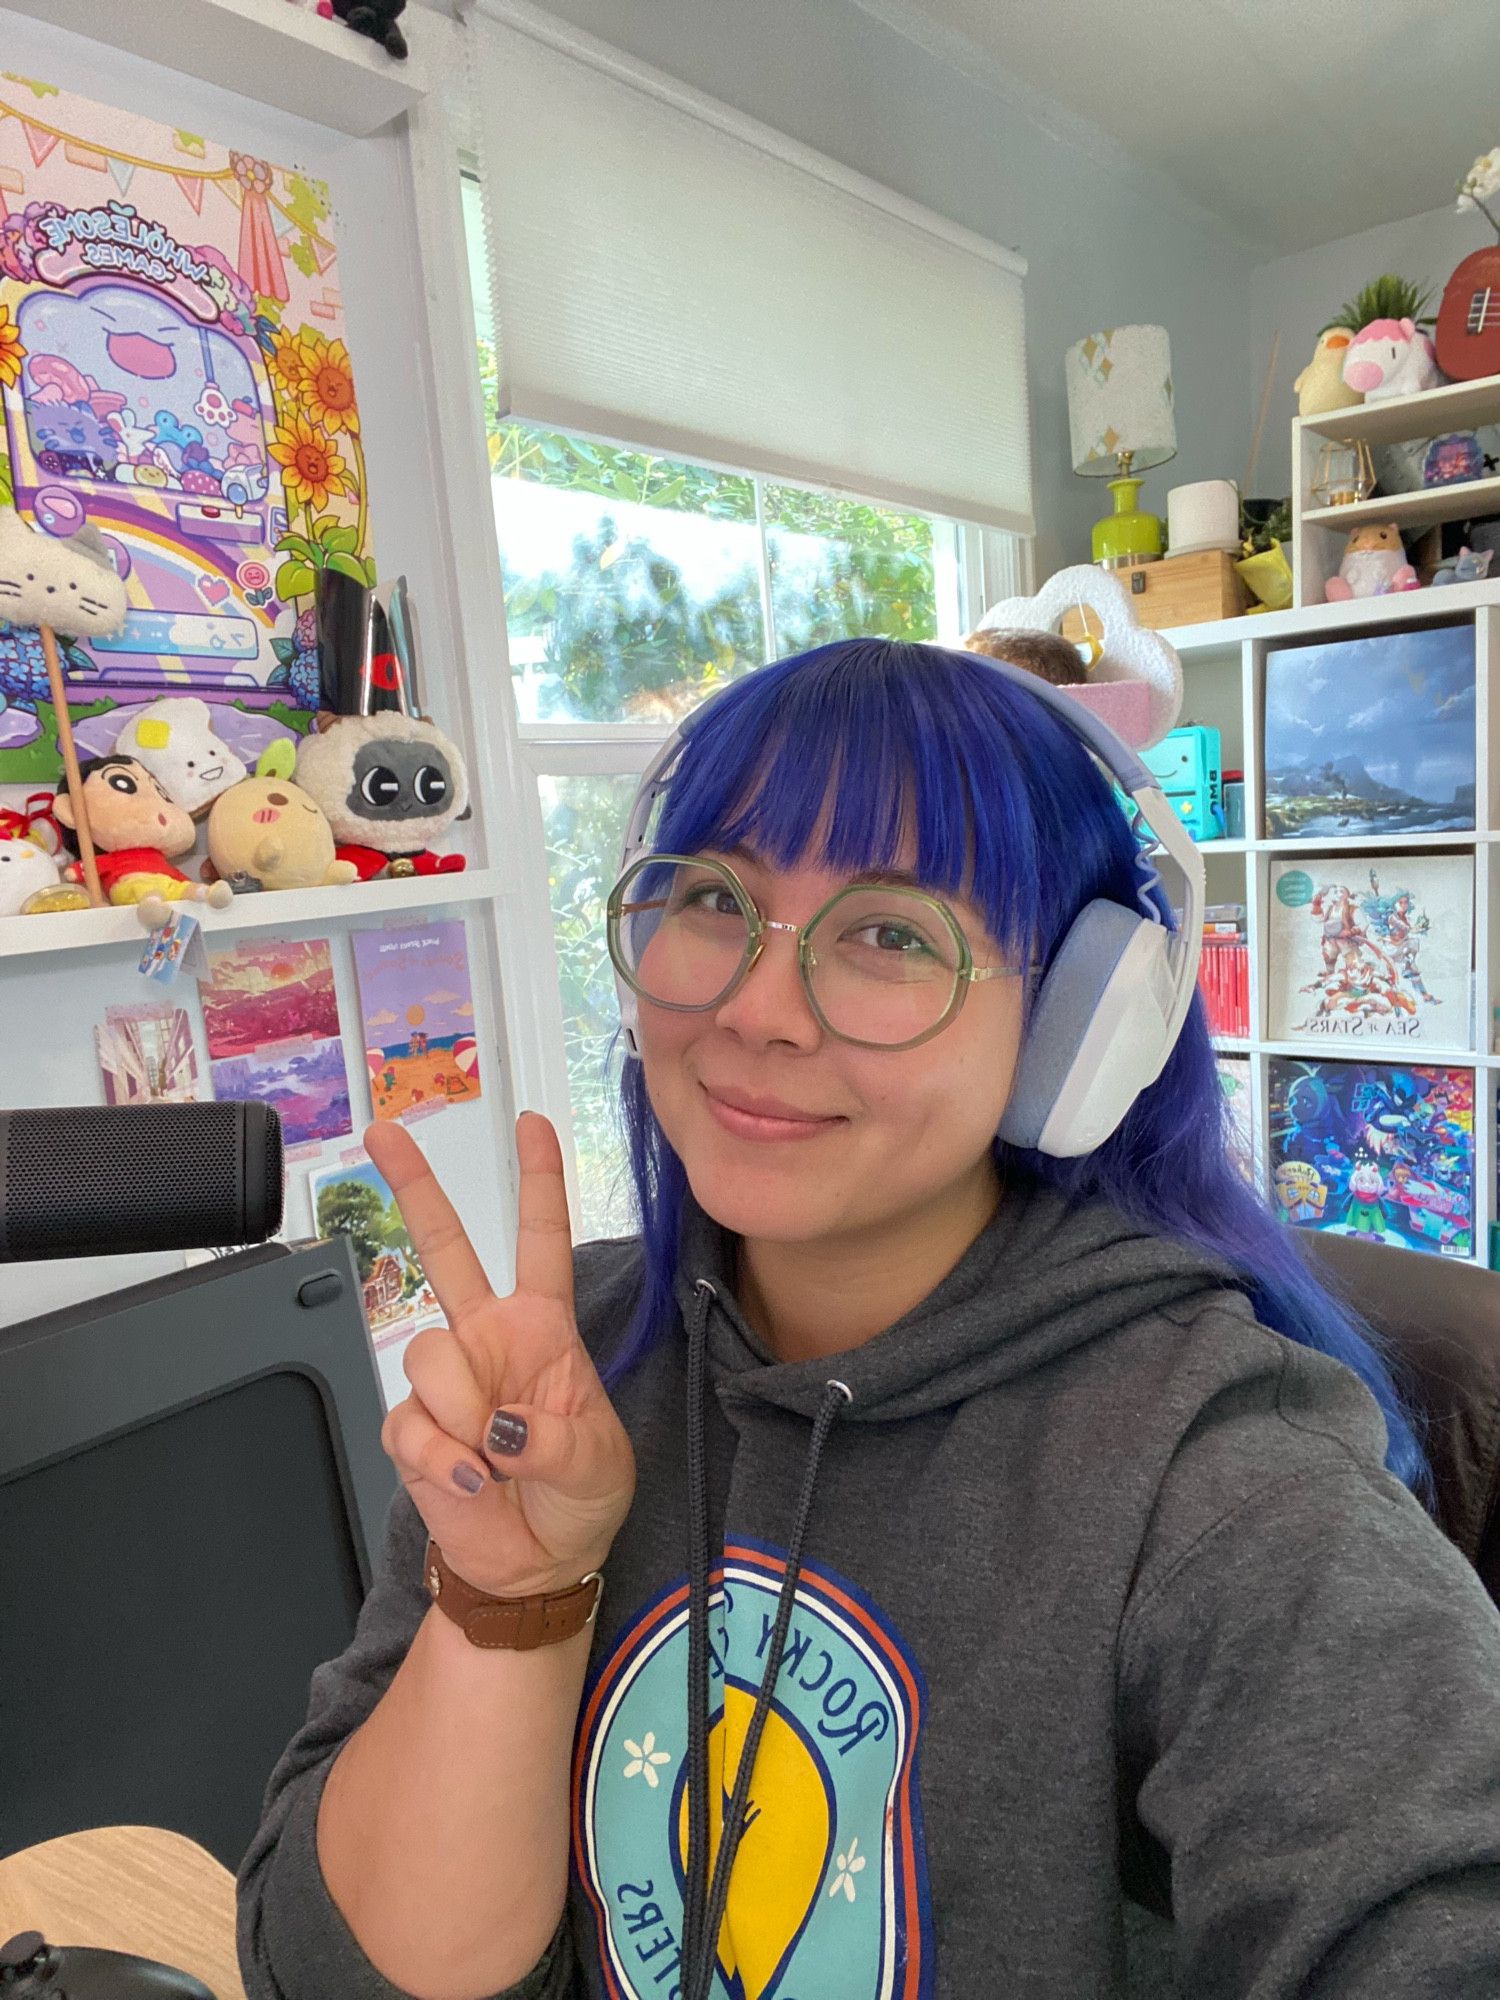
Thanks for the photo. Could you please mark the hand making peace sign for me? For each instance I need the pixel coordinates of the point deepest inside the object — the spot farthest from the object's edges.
(566, 1485)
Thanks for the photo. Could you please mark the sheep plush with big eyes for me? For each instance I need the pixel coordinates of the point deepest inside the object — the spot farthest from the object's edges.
(390, 785)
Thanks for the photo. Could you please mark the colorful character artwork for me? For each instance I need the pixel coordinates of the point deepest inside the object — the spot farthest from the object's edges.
(1379, 1151)
(272, 1022)
(1374, 947)
(419, 1018)
(354, 1200)
(146, 1055)
(1371, 736)
(1234, 1082)
(173, 371)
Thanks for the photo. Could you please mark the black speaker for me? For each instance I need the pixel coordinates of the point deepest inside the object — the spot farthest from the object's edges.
(102, 1180)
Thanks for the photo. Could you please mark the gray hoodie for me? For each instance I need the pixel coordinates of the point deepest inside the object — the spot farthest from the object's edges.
(1106, 1605)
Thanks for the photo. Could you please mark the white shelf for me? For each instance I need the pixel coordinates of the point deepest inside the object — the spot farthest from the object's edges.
(1222, 636)
(1458, 407)
(1422, 508)
(77, 930)
(1334, 1048)
(1356, 843)
(279, 55)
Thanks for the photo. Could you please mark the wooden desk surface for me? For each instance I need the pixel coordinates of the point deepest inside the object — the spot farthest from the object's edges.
(128, 1888)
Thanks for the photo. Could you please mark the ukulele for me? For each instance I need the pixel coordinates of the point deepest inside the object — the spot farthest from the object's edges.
(1468, 326)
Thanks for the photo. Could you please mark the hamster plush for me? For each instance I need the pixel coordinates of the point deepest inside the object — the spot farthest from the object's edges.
(174, 739)
(25, 871)
(70, 585)
(1374, 564)
(266, 833)
(136, 828)
(391, 784)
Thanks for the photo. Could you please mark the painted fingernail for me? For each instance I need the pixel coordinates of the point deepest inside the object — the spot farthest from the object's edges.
(467, 1480)
(500, 1478)
(507, 1433)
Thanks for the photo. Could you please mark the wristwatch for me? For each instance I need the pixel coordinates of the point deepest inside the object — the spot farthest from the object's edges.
(518, 1624)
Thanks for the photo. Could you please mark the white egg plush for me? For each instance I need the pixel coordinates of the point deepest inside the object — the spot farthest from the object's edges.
(174, 738)
(23, 870)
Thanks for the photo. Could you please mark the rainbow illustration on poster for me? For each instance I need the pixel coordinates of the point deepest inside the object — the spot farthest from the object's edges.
(829, 1891)
(173, 371)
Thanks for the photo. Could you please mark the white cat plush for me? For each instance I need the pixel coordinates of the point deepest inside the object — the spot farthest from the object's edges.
(24, 869)
(175, 740)
(70, 585)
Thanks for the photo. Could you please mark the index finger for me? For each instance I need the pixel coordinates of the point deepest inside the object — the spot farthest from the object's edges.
(544, 1240)
(448, 1259)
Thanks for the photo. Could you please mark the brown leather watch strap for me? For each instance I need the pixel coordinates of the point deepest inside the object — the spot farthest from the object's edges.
(518, 1624)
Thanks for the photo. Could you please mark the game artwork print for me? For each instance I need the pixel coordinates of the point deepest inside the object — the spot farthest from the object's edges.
(828, 1899)
(173, 372)
(1371, 736)
(1378, 1151)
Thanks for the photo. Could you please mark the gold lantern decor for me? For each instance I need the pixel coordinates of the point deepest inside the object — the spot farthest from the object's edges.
(1345, 474)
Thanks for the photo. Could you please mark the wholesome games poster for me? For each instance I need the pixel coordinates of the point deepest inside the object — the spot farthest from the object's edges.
(172, 371)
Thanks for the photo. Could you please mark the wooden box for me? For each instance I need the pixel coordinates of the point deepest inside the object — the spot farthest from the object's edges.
(1177, 590)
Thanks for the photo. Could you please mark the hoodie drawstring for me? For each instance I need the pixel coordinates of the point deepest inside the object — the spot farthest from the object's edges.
(704, 1902)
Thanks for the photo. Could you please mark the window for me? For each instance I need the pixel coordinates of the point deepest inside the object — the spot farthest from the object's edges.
(635, 586)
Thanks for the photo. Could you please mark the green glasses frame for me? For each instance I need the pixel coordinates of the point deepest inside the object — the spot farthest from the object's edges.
(965, 973)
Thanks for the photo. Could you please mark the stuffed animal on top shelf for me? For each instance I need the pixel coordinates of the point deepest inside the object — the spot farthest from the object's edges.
(1321, 386)
(25, 872)
(390, 784)
(1390, 357)
(136, 829)
(377, 19)
(69, 584)
(1374, 564)
(266, 833)
(174, 738)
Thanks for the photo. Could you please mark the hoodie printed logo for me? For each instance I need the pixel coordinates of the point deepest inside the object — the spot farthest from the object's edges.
(828, 1898)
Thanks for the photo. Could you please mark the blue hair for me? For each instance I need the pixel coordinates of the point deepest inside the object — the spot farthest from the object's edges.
(865, 744)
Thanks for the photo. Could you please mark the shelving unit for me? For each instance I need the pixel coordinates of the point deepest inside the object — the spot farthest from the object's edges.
(1319, 533)
(1224, 672)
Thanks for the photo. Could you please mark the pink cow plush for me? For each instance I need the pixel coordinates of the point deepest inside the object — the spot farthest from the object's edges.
(1389, 357)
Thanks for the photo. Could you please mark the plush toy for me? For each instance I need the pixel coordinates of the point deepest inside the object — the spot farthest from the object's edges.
(1389, 357)
(1468, 566)
(25, 871)
(136, 828)
(391, 784)
(1374, 564)
(175, 740)
(377, 19)
(266, 833)
(1321, 385)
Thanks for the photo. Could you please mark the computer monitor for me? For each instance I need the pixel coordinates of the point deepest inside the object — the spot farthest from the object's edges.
(191, 1490)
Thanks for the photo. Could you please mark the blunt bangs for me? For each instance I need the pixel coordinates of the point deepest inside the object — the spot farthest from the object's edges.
(856, 754)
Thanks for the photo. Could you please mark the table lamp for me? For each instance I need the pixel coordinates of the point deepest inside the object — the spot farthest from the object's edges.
(1120, 417)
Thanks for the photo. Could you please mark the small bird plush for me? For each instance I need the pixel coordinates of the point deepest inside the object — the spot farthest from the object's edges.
(1321, 385)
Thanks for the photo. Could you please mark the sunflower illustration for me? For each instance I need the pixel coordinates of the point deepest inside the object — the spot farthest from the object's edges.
(327, 389)
(310, 467)
(12, 353)
(286, 364)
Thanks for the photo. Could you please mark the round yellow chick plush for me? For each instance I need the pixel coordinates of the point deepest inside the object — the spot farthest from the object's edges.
(1321, 386)
(266, 833)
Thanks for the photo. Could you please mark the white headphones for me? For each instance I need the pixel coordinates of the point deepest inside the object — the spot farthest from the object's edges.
(1113, 1001)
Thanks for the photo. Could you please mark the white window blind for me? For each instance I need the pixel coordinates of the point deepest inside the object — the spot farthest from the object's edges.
(668, 272)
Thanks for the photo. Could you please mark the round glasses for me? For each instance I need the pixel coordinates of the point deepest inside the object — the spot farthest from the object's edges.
(882, 967)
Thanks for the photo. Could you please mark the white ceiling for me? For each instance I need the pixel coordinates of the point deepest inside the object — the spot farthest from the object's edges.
(1296, 121)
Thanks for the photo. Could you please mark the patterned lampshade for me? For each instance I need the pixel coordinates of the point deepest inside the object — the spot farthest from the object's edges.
(1120, 399)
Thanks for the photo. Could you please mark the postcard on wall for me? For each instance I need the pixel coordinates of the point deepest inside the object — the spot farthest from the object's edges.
(1366, 736)
(268, 990)
(1379, 1151)
(173, 373)
(353, 1199)
(1372, 948)
(304, 1081)
(146, 1055)
(1234, 1082)
(418, 1012)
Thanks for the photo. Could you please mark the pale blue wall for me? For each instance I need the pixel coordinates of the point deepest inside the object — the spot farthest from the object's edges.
(1107, 241)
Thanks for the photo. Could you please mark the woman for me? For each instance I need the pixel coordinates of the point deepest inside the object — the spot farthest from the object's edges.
(1062, 1556)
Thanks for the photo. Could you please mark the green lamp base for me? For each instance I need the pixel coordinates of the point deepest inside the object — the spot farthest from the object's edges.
(1126, 536)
